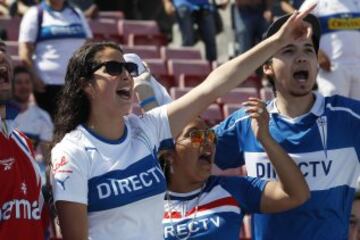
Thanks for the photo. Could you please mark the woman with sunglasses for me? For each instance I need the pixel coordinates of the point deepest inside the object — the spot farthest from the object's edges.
(201, 206)
(107, 182)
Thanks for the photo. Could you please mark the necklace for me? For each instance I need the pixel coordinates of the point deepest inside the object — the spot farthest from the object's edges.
(183, 208)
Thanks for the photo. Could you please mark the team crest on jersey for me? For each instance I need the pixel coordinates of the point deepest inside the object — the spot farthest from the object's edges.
(23, 188)
(7, 163)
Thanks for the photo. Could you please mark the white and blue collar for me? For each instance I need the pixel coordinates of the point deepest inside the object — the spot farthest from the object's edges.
(317, 109)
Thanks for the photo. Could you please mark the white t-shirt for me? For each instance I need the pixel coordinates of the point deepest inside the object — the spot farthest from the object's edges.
(61, 33)
(340, 27)
(35, 123)
(120, 181)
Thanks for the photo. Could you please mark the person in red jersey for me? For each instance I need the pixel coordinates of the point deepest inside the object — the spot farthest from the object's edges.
(21, 201)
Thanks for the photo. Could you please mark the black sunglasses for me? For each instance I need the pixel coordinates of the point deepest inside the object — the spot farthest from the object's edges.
(115, 68)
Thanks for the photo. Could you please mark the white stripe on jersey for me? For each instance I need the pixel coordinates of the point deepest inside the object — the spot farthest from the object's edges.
(208, 212)
(343, 109)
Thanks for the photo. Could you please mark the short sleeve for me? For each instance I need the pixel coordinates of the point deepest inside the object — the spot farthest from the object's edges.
(228, 151)
(247, 191)
(156, 124)
(29, 26)
(69, 173)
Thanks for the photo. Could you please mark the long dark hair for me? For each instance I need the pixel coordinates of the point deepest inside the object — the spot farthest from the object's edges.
(73, 106)
(164, 157)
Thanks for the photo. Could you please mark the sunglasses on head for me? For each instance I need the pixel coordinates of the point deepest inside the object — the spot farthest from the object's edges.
(115, 68)
(202, 136)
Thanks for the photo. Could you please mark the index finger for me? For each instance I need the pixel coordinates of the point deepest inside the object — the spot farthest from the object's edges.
(304, 13)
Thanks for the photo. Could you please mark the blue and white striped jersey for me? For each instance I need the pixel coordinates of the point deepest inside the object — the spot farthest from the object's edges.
(325, 144)
(214, 212)
(120, 181)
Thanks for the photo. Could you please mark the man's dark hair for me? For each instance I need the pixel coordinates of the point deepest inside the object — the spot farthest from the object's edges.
(21, 69)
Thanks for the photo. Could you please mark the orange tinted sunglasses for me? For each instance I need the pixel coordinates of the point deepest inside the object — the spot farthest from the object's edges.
(201, 136)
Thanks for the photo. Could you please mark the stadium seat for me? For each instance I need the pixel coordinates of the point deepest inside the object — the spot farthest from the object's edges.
(212, 115)
(229, 108)
(116, 15)
(159, 69)
(137, 32)
(186, 80)
(266, 94)
(252, 81)
(105, 29)
(189, 67)
(176, 92)
(238, 95)
(12, 48)
(17, 61)
(145, 52)
(180, 53)
(12, 26)
(145, 39)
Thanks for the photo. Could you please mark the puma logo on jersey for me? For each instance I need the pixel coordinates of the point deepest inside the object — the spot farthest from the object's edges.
(7, 163)
(62, 182)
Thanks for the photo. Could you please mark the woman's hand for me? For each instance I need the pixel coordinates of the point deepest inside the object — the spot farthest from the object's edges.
(256, 109)
(295, 28)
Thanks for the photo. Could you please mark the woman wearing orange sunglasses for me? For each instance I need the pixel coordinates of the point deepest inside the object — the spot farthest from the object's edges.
(201, 206)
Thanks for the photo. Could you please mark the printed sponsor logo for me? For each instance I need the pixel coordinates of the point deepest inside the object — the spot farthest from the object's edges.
(7, 163)
(20, 209)
(59, 166)
(66, 30)
(344, 23)
(191, 226)
(310, 168)
(132, 183)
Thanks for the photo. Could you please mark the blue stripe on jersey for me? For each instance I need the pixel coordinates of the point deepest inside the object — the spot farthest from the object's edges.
(54, 32)
(22, 142)
(326, 216)
(340, 22)
(214, 226)
(117, 188)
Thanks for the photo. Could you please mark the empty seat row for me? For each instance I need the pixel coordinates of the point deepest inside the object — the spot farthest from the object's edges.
(221, 108)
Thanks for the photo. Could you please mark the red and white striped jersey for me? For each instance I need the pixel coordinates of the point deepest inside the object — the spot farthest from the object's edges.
(21, 200)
